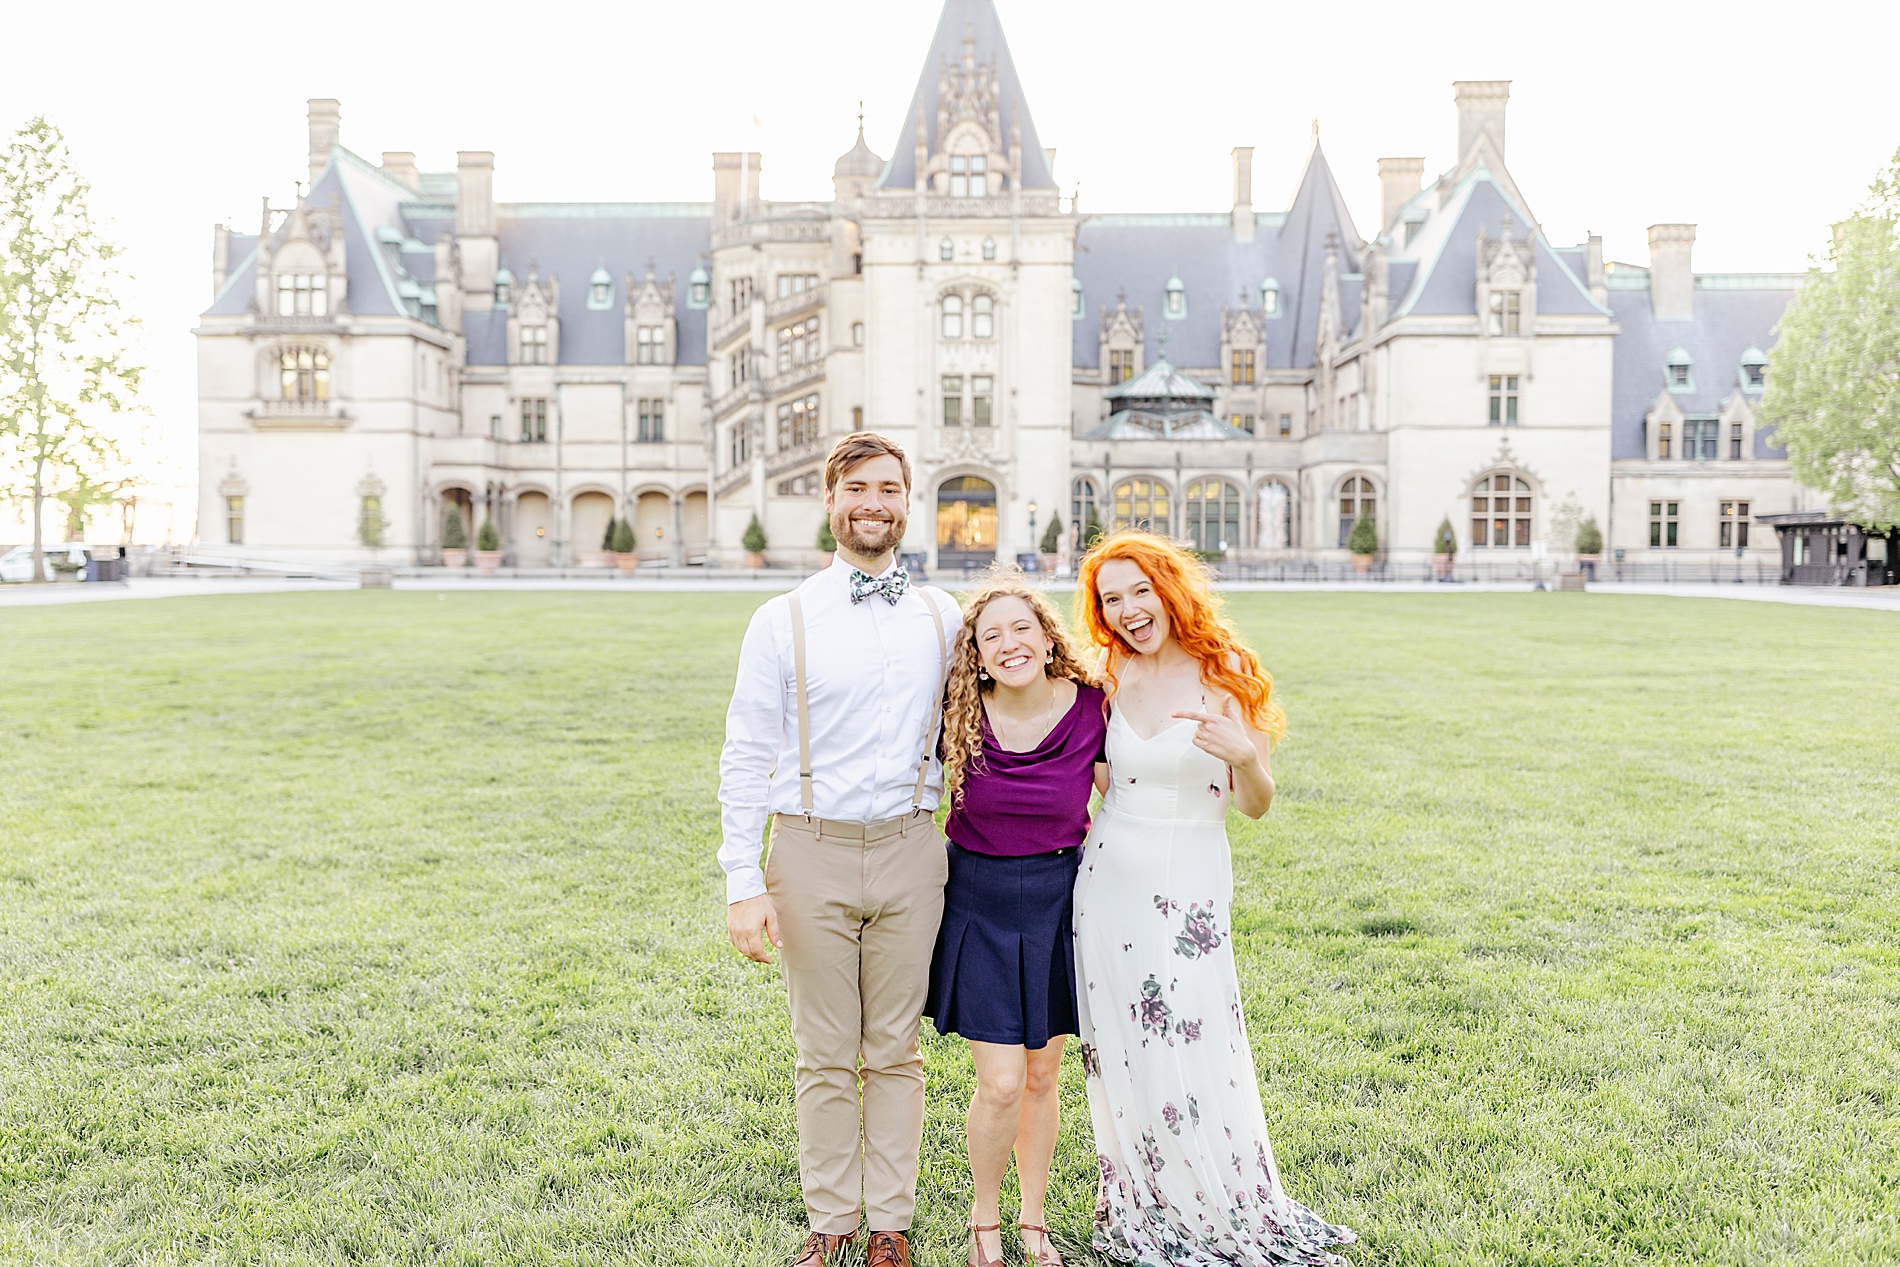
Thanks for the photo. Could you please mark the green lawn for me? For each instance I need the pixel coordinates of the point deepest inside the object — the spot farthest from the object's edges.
(382, 927)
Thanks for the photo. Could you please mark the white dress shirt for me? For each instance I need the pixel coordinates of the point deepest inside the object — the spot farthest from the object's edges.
(873, 676)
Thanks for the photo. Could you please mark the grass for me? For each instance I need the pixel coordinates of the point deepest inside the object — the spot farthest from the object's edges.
(383, 928)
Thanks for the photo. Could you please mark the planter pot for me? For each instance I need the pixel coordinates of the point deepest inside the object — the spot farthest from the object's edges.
(1441, 566)
(596, 559)
(754, 560)
(454, 558)
(1362, 563)
(627, 562)
(487, 560)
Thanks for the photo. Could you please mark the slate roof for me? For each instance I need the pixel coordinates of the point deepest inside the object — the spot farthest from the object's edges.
(1733, 313)
(1139, 424)
(1139, 253)
(978, 21)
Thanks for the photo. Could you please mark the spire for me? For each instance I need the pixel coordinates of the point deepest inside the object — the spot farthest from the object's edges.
(969, 41)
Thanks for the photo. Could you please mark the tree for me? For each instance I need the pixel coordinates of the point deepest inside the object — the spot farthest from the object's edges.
(754, 538)
(607, 537)
(826, 540)
(1833, 387)
(1364, 538)
(1446, 542)
(1052, 535)
(487, 537)
(64, 364)
(454, 536)
(1589, 537)
(623, 537)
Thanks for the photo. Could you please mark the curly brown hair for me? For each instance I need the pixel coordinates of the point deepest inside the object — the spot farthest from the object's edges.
(963, 695)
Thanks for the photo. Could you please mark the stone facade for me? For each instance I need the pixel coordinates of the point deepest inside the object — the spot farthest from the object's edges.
(398, 347)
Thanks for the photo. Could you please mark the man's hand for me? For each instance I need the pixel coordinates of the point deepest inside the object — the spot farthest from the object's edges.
(751, 923)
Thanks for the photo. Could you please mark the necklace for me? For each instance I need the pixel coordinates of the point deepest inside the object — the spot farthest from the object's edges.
(1048, 722)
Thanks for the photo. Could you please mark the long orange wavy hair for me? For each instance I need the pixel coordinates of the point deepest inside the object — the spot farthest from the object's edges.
(1194, 618)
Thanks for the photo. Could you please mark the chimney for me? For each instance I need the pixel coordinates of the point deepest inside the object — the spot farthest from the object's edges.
(400, 166)
(1481, 113)
(325, 115)
(735, 185)
(1399, 180)
(475, 194)
(1593, 270)
(1671, 280)
(1243, 193)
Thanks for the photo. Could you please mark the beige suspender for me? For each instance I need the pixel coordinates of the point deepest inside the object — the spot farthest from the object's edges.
(804, 719)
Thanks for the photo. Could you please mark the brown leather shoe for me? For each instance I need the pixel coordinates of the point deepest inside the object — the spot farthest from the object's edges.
(820, 1247)
(888, 1249)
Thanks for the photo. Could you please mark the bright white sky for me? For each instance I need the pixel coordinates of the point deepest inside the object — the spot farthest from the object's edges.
(1760, 123)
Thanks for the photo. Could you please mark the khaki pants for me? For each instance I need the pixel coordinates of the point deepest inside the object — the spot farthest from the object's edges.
(858, 916)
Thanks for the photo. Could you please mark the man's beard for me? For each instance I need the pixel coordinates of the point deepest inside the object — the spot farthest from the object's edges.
(871, 542)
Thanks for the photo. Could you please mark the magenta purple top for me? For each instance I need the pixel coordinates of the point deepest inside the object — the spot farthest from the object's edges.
(1015, 804)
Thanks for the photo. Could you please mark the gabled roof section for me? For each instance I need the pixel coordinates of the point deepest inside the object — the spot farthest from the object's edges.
(1163, 384)
(1318, 214)
(971, 26)
(1734, 316)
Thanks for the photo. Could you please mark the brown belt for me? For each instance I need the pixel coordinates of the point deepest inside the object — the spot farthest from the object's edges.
(868, 833)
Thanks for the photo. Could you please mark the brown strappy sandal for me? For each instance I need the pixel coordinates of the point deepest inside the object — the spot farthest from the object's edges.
(977, 1258)
(1047, 1257)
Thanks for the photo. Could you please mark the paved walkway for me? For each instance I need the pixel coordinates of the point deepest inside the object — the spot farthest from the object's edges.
(432, 580)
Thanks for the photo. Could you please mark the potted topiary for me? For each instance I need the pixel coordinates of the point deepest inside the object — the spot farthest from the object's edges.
(1444, 550)
(454, 539)
(1589, 547)
(827, 543)
(754, 543)
(1363, 543)
(487, 547)
(621, 542)
(1051, 543)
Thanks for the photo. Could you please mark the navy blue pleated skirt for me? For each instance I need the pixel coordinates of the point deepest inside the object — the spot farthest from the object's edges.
(1004, 970)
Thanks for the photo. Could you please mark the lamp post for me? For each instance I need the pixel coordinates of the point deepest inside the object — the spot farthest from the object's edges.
(1035, 546)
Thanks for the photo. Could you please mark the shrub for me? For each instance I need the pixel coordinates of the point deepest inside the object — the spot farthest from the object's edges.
(623, 537)
(1446, 542)
(607, 537)
(1052, 535)
(754, 538)
(454, 536)
(1589, 537)
(1364, 538)
(486, 537)
(826, 541)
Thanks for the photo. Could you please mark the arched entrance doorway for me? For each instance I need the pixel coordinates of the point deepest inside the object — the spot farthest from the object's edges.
(966, 522)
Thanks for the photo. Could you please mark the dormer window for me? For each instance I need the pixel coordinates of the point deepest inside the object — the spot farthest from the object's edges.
(649, 345)
(698, 289)
(1176, 306)
(1075, 299)
(1754, 370)
(946, 250)
(953, 316)
(600, 290)
(534, 345)
(504, 284)
(1678, 375)
(1506, 313)
(969, 176)
(302, 295)
(1270, 297)
(989, 248)
(982, 317)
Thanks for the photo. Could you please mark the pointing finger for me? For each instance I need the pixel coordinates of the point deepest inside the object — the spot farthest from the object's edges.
(1200, 717)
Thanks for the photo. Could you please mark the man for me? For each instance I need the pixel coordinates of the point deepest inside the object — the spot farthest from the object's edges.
(832, 733)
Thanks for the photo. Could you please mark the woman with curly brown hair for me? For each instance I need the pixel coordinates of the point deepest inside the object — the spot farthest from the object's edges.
(1188, 1175)
(1023, 733)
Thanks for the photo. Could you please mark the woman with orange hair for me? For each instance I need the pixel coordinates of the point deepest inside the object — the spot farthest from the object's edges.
(1188, 1175)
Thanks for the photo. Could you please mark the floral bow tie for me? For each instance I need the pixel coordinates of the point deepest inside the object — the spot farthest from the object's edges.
(891, 585)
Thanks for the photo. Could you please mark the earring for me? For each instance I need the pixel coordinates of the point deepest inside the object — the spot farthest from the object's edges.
(982, 674)
(1050, 658)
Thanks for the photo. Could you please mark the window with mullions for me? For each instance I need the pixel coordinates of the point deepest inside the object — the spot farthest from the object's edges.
(1081, 510)
(1663, 439)
(1699, 439)
(1286, 424)
(982, 317)
(234, 520)
(1501, 512)
(1121, 365)
(1662, 524)
(796, 283)
(534, 345)
(1504, 400)
(534, 420)
(798, 422)
(652, 420)
(650, 345)
(952, 317)
(1356, 501)
(304, 374)
(969, 176)
(1735, 441)
(739, 442)
(798, 344)
(1734, 526)
(1506, 313)
(1142, 503)
(1241, 370)
(1213, 515)
(982, 396)
(302, 295)
(953, 400)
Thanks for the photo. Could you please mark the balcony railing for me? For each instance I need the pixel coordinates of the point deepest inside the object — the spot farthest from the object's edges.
(732, 479)
(796, 455)
(797, 302)
(731, 328)
(772, 231)
(298, 413)
(794, 378)
(731, 402)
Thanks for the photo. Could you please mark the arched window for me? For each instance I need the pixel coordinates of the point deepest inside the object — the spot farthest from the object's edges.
(946, 250)
(1082, 513)
(1356, 502)
(1213, 515)
(982, 317)
(1501, 512)
(304, 374)
(953, 316)
(1276, 516)
(1142, 503)
(989, 248)
(302, 295)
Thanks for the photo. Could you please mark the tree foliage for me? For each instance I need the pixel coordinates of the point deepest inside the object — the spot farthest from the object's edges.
(1833, 385)
(827, 540)
(1589, 537)
(754, 538)
(487, 537)
(1446, 540)
(454, 536)
(622, 542)
(1364, 538)
(64, 363)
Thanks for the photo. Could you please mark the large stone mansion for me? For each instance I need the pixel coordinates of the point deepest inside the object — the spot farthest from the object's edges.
(398, 345)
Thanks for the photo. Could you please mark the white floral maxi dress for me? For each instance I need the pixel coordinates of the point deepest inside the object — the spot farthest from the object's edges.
(1188, 1176)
